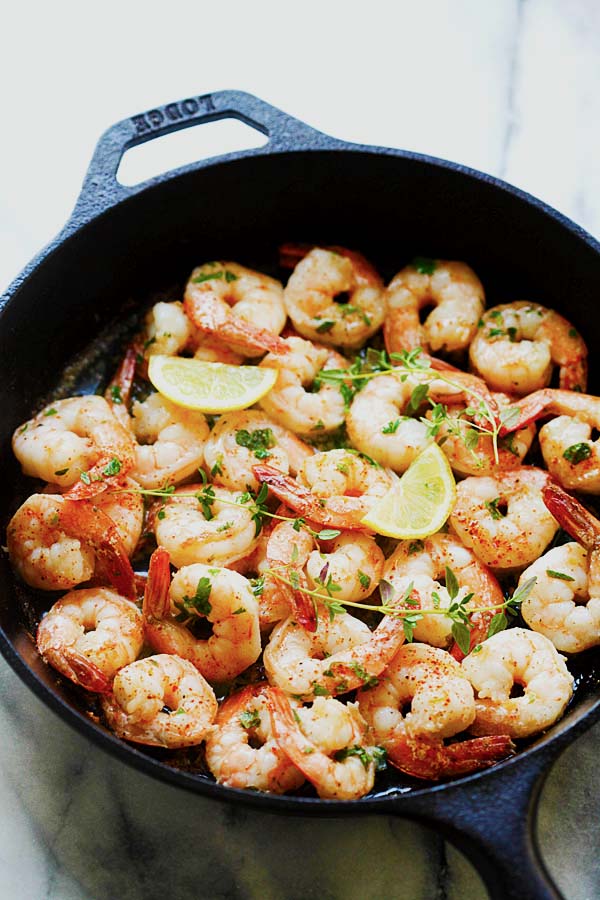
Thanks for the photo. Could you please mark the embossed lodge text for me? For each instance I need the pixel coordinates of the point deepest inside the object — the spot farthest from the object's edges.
(172, 112)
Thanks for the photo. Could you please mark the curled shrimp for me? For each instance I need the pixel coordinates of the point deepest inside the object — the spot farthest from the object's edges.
(241, 750)
(419, 572)
(328, 743)
(524, 658)
(76, 443)
(378, 425)
(353, 562)
(239, 439)
(518, 344)
(169, 332)
(340, 655)
(291, 402)
(503, 519)
(224, 598)
(170, 441)
(161, 701)
(287, 547)
(333, 295)
(564, 602)
(569, 451)
(89, 634)
(471, 451)
(441, 705)
(55, 544)
(457, 295)
(336, 488)
(200, 524)
(244, 308)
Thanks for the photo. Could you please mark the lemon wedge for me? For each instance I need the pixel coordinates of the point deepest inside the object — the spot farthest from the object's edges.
(210, 387)
(421, 501)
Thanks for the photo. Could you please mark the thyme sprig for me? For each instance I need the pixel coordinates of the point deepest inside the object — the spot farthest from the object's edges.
(411, 362)
(254, 503)
(407, 608)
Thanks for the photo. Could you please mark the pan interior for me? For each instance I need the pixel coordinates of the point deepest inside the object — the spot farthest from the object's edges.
(63, 328)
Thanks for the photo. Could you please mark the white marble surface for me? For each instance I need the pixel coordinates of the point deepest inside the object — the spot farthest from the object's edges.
(508, 86)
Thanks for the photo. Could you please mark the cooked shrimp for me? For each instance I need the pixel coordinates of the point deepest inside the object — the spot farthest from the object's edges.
(518, 344)
(457, 295)
(170, 332)
(287, 547)
(503, 518)
(162, 701)
(336, 488)
(441, 705)
(328, 743)
(353, 562)
(378, 425)
(342, 654)
(221, 596)
(241, 750)
(470, 451)
(88, 635)
(566, 441)
(335, 296)
(170, 441)
(290, 402)
(244, 308)
(564, 603)
(418, 570)
(561, 606)
(239, 439)
(200, 524)
(55, 544)
(75, 443)
(524, 658)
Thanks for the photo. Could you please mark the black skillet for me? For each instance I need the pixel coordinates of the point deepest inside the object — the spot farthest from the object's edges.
(123, 245)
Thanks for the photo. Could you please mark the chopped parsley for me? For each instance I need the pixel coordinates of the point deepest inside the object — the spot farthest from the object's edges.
(250, 718)
(552, 573)
(577, 453)
(259, 441)
(424, 265)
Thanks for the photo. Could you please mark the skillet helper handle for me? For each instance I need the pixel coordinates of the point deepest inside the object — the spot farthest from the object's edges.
(492, 821)
(101, 190)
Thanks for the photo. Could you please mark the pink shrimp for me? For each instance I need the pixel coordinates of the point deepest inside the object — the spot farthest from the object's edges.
(442, 704)
(89, 634)
(452, 288)
(329, 744)
(339, 489)
(211, 291)
(287, 549)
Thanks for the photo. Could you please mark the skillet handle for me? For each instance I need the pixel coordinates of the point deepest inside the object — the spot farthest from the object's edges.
(492, 821)
(101, 190)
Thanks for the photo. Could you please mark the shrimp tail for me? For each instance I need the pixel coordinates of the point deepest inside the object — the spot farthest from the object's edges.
(86, 674)
(119, 389)
(85, 491)
(431, 761)
(156, 595)
(473, 386)
(304, 502)
(572, 516)
(84, 521)
(213, 316)
(285, 728)
(291, 253)
(548, 401)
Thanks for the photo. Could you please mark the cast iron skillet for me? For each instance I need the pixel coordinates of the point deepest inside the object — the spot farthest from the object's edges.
(125, 244)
